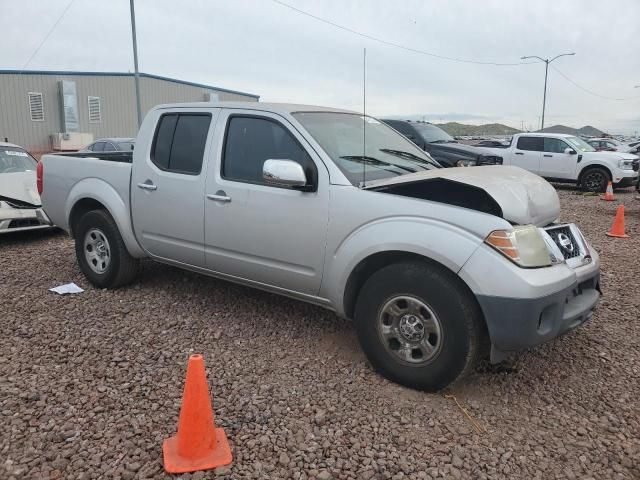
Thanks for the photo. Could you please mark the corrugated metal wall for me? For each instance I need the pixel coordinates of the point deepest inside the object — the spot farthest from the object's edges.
(117, 102)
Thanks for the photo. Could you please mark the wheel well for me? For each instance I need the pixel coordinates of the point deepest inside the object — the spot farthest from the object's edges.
(80, 208)
(591, 167)
(372, 264)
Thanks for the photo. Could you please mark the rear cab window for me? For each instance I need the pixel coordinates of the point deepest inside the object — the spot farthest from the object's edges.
(533, 144)
(179, 142)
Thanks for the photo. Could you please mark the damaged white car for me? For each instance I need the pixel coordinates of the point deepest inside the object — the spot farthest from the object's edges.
(19, 200)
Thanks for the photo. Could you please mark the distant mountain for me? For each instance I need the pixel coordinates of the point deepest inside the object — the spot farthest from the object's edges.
(461, 129)
(587, 130)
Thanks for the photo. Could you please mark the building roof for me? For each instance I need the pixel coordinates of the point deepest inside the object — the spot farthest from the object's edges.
(123, 74)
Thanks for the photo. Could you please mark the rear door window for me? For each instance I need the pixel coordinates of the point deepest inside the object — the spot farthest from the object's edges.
(534, 144)
(180, 142)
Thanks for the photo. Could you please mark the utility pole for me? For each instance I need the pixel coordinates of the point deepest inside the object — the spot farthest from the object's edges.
(546, 72)
(135, 62)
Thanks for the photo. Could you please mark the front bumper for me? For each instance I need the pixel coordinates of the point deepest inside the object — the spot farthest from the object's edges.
(20, 219)
(520, 323)
(626, 182)
(624, 178)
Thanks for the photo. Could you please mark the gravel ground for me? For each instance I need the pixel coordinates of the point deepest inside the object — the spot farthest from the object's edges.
(90, 384)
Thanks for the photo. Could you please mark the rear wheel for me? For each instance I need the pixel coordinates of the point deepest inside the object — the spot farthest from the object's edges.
(418, 325)
(595, 180)
(101, 253)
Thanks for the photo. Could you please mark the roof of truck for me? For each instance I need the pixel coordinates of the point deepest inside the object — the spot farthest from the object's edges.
(546, 134)
(268, 107)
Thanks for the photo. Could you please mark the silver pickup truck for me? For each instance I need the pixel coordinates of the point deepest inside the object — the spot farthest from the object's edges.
(436, 266)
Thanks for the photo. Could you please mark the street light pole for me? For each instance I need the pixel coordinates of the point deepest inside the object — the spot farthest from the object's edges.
(546, 73)
(135, 62)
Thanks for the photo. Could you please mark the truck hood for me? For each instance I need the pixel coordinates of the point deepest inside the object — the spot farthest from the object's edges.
(522, 197)
(20, 186)
(470, 150)
(612, 156)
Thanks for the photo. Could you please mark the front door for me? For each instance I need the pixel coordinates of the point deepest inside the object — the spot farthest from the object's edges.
(272, 235)
(555, 163)
(527, 153)
(167, 186)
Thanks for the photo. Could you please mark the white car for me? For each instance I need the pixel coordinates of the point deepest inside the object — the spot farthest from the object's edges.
(567, 158)
(20, 207)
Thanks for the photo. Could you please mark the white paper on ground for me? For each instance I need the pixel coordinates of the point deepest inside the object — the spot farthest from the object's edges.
(68, 288)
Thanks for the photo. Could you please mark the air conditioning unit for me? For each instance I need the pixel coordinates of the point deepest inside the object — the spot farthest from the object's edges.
(70, 140)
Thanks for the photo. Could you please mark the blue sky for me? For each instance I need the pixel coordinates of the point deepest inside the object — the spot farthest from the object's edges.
(262, 47)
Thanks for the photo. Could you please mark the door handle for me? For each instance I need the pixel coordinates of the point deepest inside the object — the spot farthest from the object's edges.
(147, 186)
(219, 196)
(548, 155)
(519, 153)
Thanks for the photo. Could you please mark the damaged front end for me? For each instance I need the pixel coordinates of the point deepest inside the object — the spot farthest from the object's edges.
(18, 215)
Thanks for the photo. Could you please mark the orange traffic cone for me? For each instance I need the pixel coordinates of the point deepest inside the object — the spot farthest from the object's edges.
(608, 194)
(617, 229)
(198, 444)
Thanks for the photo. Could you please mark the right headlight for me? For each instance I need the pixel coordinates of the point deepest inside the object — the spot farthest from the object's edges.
(523, 245)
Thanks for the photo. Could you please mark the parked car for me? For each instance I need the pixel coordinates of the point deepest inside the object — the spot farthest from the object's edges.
(606, 144)
(442, 146)
(296, 200)
(19, 200)
(566, 158)
(110, 145)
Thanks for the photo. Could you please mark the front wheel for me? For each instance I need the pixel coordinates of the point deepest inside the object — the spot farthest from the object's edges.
(595, 180)
(418, 325)
(101, 253)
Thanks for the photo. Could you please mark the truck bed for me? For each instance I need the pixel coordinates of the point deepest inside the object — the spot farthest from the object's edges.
(107, 176)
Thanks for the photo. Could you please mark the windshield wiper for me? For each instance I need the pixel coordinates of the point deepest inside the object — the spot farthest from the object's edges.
(412, 156)
(367, 160)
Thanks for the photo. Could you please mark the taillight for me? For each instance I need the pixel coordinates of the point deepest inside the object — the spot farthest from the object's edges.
(39, 171)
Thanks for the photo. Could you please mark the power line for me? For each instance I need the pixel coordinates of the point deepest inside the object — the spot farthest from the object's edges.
(397, 45)
(589, 91)
(48, 34)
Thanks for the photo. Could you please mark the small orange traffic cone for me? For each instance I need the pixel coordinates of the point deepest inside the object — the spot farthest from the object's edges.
(608, 194)
(198, 444)
(617, 229)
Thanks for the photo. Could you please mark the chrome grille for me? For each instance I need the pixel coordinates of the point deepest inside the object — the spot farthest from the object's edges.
(563, 237)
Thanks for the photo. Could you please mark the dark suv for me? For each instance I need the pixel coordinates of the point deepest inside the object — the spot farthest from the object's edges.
(442, 146)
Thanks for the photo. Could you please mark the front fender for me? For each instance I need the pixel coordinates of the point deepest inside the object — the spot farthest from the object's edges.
(101, 191)
(442, 242)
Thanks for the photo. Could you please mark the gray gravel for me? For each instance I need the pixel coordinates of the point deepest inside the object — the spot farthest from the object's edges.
(90, 384)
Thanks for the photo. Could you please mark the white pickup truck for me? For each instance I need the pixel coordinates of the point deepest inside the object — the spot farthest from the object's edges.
(432, 264)
(566, 158)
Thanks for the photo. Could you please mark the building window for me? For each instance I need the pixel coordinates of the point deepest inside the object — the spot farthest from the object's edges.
(36, 106)
(95, 112)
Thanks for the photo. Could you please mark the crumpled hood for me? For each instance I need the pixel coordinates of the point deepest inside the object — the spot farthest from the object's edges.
(20, 186)
(525, 198)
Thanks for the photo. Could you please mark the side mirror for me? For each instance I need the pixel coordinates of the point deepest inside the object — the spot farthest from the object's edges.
(283, 173)
(569, 151)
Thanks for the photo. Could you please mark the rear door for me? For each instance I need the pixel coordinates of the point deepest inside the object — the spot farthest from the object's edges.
(272, 235)
(527, 153)
(167, 186)
(555, 163)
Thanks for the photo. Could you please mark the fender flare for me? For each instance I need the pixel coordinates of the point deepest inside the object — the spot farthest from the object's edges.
(100, 191)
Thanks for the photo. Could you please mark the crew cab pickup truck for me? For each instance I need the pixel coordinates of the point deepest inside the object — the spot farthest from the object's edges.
(566, 158)
(436, 266)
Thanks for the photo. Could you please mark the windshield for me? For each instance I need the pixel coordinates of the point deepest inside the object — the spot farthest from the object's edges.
(579, 144)
(13, 160)
(432, 134)
(364, 148)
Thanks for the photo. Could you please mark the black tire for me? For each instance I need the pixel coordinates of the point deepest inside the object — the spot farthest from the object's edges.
(595, 180)
(121, 268)
(455, 308)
